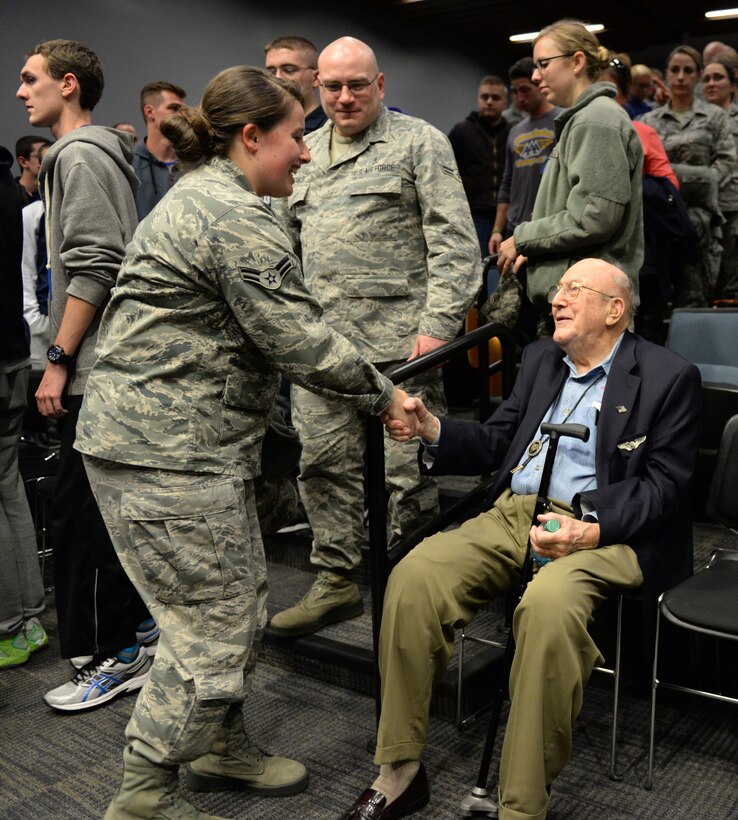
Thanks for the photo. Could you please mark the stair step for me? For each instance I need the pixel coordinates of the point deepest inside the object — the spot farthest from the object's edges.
(341, 654)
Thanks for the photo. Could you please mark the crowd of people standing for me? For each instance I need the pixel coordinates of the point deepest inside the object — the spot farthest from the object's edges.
(168, 333)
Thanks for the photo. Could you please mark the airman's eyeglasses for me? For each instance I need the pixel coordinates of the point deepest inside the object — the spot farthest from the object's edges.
(354, 86)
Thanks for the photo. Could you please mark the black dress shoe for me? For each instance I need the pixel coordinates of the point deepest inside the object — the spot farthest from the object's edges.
(372, 805)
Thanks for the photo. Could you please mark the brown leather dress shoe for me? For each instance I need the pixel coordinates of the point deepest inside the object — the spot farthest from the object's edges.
(372, 805)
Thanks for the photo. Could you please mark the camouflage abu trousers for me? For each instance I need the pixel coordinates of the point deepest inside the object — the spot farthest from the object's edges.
(191, 545)
(331, 480)
(727, 284)
(694, 282)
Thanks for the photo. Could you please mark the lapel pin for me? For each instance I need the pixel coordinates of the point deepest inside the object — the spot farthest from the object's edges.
(621, 408)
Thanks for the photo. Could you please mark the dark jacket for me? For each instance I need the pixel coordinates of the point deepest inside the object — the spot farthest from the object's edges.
(156, 179)
(13, 338)
(317, 118)
(642, 495)
(479, 148)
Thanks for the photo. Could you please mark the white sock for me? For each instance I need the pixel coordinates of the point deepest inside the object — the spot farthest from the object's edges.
(395, 777)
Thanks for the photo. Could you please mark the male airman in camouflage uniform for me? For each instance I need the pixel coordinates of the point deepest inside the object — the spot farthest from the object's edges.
(702, 152)
(210, 303)
(388, 246)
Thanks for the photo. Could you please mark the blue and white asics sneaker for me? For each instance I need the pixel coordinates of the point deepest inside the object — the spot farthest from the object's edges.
(102, 680)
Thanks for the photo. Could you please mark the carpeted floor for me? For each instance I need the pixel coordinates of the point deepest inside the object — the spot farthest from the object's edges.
(55, 766)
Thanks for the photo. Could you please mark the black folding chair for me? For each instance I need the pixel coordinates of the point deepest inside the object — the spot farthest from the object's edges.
(706, 603)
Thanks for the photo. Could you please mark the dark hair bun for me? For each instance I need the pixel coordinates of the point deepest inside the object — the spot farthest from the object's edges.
(190, 133)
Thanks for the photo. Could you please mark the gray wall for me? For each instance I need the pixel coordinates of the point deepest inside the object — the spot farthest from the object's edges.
(188, 41)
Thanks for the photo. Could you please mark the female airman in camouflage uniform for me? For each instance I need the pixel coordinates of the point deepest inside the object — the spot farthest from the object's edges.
(701, 149)
(209, 306)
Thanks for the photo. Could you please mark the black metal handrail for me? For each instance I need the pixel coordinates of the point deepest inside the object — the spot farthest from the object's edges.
(380, 561)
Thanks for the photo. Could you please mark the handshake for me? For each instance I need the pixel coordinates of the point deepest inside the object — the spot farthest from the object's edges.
(407, 418)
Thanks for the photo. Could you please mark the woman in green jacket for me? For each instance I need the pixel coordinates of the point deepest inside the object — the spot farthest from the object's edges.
(589, 203)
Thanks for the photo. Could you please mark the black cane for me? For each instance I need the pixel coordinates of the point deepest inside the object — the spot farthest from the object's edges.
(478, 799)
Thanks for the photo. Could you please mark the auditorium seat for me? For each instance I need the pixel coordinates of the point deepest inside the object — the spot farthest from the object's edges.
(709, 338)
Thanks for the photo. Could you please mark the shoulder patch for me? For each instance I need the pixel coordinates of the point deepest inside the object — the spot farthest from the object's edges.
(452, 172)
(269, 278)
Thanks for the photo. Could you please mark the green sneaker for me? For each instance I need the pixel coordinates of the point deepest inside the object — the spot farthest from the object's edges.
(14, 651)
(330, 599)
(35, 634)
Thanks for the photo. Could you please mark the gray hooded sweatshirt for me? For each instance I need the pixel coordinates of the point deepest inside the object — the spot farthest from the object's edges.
(88, 186)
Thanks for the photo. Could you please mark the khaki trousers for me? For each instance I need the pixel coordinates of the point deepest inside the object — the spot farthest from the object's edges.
(437, 589)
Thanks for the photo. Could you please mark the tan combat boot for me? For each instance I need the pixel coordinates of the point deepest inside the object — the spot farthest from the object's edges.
(237, 764)
(330, 599)
(151, 792)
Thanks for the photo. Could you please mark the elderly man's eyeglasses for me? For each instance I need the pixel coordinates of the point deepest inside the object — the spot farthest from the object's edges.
(571, 291)
(356, 87)
(542, 64)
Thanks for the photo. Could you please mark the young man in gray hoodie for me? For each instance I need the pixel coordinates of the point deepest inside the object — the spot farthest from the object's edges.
(88, 188)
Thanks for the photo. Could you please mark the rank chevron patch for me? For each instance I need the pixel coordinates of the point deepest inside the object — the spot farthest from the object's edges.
(269, 278)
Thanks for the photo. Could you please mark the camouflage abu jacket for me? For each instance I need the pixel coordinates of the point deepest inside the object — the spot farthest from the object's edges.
(702, 137)
(209, 305)
(385, 235)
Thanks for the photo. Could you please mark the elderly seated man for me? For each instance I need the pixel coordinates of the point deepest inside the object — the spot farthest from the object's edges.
(622, 503)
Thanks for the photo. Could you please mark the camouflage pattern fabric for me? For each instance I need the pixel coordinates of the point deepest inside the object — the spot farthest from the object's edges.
(276, 502)
(727, 284)
(191, 546)
(702, 137)
(503, 305)
(727, 280)
(209, 305)
(386, 238)
(331, 479)
(388, 246)
(695, 282)
(703, 140)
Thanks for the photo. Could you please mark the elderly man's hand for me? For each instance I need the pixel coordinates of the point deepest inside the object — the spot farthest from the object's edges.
(571, 536)
(423, 423)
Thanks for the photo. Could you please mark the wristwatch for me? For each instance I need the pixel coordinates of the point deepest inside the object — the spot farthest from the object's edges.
(56, 355)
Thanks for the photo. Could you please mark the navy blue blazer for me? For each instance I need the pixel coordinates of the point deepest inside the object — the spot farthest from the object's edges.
(642, 495)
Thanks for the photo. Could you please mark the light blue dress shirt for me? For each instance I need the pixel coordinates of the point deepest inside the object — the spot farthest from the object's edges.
(574, 468)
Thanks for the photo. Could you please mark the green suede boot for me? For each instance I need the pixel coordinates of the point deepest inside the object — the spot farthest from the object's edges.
(234, 763)
(152, 792)
(330, 599)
